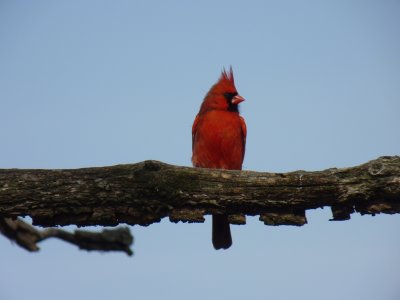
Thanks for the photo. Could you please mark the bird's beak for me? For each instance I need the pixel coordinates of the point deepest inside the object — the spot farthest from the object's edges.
(237, 99)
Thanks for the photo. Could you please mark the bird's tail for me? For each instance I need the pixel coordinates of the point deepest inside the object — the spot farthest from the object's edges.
(221, 232)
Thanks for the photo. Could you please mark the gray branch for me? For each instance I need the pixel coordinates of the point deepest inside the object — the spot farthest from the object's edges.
(27, 236)
(146, 192)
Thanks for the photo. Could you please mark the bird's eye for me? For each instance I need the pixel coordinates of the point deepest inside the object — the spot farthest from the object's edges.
(229, 96)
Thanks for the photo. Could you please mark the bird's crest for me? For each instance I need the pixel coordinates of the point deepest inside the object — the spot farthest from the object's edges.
(226, 81)
(228, 76)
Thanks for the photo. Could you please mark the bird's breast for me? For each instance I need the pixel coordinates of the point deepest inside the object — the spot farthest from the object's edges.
(218, 141)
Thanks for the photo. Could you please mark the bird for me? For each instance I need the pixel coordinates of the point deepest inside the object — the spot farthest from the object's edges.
(219, 141)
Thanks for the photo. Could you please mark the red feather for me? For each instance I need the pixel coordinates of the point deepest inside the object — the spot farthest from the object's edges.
(219, 140)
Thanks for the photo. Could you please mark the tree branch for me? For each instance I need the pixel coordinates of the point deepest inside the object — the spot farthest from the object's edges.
(27, 236)
(145, 192)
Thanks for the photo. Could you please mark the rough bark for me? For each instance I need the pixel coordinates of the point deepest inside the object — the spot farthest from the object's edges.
(145, 192)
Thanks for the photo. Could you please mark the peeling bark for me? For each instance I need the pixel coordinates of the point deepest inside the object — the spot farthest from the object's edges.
(146, 192)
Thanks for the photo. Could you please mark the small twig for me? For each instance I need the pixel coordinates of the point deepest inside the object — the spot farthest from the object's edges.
(27, 236)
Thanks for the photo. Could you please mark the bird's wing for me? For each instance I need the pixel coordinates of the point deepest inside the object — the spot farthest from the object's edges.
(194, 129)
(244, 134)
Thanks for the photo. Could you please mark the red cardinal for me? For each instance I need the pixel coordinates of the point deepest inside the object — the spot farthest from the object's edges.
(218, 141)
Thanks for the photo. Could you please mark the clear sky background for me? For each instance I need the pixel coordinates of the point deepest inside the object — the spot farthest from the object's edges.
(96, 83)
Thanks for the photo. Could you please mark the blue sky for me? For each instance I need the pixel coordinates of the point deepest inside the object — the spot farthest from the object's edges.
(95, 83)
